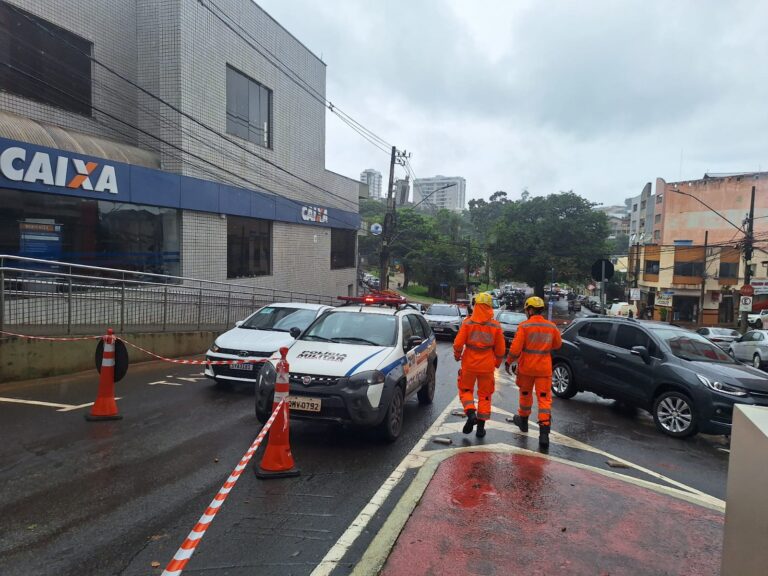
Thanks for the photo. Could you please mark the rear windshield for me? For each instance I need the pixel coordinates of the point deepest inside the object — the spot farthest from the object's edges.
(691, 346)
(279, 319)
(354, 328)
(443, 310)
(512, 317)
(723, 332)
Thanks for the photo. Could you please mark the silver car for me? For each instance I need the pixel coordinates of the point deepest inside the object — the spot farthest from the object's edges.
(751, 348)
(719, 336)
(444, 319)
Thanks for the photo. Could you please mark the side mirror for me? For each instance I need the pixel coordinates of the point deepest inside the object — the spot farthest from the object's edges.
(295, 332)
(412, 342)
(641, 351)
(239, 323)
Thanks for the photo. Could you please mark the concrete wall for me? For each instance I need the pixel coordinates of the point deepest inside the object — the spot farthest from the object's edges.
(23, 359)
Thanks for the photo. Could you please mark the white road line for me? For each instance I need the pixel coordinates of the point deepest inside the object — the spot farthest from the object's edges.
(413, 459)
(70, 408)
(61, 407)
(189, 379)
(165, 383)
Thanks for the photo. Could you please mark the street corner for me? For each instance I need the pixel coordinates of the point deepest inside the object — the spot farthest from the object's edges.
(487, 511)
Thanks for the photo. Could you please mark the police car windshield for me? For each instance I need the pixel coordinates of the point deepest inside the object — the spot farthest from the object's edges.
(443, 310)
(278, 319)
(354, 329)
(691, 346)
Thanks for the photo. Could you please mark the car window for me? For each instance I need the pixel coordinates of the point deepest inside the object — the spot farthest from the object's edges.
(748, 337)
(407, 330)
(512, 317)
(703, 331)
(425, 326)
(599, 331)
(279, 319)
(416, 327)
(629, 336)
(691, 346)
(759, 337)
(443, 310)
(299, 319)
(354, 328)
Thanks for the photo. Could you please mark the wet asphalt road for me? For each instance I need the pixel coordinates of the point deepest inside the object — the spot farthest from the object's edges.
(114, 497)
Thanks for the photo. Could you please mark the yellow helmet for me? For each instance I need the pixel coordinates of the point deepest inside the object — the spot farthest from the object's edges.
(484, 298)
(534, 302)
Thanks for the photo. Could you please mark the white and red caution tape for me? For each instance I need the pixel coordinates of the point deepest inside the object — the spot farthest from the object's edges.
(196, 362)
(56, 339)
(184, 553)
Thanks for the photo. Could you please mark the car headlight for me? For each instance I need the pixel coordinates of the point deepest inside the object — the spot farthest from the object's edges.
(215, 347)
(268, 374)
(368, 378)
(721, 387)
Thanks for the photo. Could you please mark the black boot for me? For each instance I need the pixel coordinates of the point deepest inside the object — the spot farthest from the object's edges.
(480, 433)
(544, 435)
(471, 421)
(521, 422)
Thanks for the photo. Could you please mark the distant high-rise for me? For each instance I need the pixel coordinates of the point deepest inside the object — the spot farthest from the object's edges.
(373, 179)
(448, 192)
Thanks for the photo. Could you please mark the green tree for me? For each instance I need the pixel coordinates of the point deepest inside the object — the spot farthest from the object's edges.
(560, 231)
(619, 245)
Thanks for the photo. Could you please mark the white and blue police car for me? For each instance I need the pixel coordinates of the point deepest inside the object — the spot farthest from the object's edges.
(358, 364)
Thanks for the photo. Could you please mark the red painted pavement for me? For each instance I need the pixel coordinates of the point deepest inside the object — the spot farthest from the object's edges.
(491, 513)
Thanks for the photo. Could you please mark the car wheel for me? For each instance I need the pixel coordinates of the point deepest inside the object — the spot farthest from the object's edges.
(427, 391)
(392, 424)
(562, 381)
(674, 414)
(263, 415)
(756, 361)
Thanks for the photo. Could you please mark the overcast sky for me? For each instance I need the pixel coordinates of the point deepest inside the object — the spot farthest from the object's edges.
(595, 96)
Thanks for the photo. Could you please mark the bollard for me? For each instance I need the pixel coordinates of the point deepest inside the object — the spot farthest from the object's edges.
(105, 407)
(277, 461)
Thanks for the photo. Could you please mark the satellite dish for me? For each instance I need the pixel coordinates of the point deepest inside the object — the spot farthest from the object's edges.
(376, 229)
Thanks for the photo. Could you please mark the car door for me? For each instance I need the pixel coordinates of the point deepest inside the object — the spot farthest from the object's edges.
(592, 342)
(421, 352)
(410, 366)
(742, 349)
(630, 378)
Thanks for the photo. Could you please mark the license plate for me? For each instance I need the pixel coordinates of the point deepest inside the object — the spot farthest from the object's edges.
(438, 329)
(244, 366)
(304, 404)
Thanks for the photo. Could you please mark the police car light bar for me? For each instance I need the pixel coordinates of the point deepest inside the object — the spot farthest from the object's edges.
(387, 299)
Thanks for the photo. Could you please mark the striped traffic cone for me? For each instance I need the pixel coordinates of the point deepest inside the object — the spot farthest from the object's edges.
(277, 461)
(105, 407)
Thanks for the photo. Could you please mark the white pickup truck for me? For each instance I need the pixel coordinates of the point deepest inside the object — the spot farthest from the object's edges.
(758, 319)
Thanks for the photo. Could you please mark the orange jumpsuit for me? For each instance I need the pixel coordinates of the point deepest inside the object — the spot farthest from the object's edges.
(534, 341)
(480, 344)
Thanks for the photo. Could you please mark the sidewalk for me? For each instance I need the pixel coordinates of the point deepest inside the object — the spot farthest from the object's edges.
(517, 512)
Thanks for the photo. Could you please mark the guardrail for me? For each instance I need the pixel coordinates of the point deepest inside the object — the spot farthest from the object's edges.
(51, 297)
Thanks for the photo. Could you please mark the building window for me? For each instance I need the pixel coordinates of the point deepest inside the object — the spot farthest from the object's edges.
(657, 218)
(659, 199)
(634, 207)
(691, 269)
(642, 223)
(44, 62)
(642, 205)
(657, 234)
(729, 269)
(343, 248)
(249, 109)
(249, 247)
(651, 266)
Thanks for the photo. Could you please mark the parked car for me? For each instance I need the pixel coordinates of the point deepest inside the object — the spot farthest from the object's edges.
(719, 336)
(751, 348)
(259, 336)
(622, 309)
(359, 365)
(757, 319)
(509, 322)
(687, 383)
(444, 319)
(574, 306)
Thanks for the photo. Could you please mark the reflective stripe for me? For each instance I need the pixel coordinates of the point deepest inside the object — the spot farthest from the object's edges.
(484, 415)
(540, 324)
(524, 412)
(545, 411)
(528, 406)
(468, 404)
(476, 347)
(539, 338)
(108, 362)
(531, 351)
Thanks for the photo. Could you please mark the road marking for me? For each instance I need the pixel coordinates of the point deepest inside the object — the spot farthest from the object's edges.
(61, 407)
(188, 379)
(414, 459)
(165, 383)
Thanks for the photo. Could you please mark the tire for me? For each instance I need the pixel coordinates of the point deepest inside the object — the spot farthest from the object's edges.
(427, 391)
(757, 361)
(563, 385)
(263, 415)
(675, 414)
(392, 425)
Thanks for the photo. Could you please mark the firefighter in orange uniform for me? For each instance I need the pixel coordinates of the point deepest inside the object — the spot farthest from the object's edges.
(480, 347)
(531, 350)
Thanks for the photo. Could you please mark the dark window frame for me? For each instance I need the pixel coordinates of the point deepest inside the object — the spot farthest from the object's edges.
(256, 227)
(60, 58)
(652, 266)
(730, 266)
(239, 111)
(346, 255)
(689, 269)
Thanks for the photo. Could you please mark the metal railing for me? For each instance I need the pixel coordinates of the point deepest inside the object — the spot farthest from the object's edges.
(49, 297)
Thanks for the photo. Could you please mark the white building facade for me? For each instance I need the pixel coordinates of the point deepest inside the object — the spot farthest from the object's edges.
(373, 179)
(440, 192)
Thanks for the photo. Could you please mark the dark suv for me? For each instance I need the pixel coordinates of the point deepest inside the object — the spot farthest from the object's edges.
(687, 383)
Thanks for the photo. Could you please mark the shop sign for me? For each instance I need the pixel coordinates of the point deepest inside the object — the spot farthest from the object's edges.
(314, 214)
(634, 294)
(61, 171)
(760, 287)
(663, 300)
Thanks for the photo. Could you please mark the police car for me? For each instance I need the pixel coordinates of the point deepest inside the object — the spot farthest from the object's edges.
(358, 364)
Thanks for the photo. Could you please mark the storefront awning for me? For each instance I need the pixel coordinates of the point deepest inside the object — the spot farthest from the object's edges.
(24, 129)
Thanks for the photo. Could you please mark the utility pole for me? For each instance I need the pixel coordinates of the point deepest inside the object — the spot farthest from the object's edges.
(389, 224)
(703, 279)
(748, 240)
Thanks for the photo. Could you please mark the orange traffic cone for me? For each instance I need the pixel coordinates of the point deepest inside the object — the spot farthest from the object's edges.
(105, 407)
(277, 461)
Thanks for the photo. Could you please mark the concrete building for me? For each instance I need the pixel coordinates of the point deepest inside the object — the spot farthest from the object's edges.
(373, 179)
(618, 219)
(440, 192)
(642, 212)
(670, 272)
(184, 149)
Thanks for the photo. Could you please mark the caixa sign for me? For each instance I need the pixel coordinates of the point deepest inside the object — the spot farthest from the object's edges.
(20, 165)
(314, 214)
